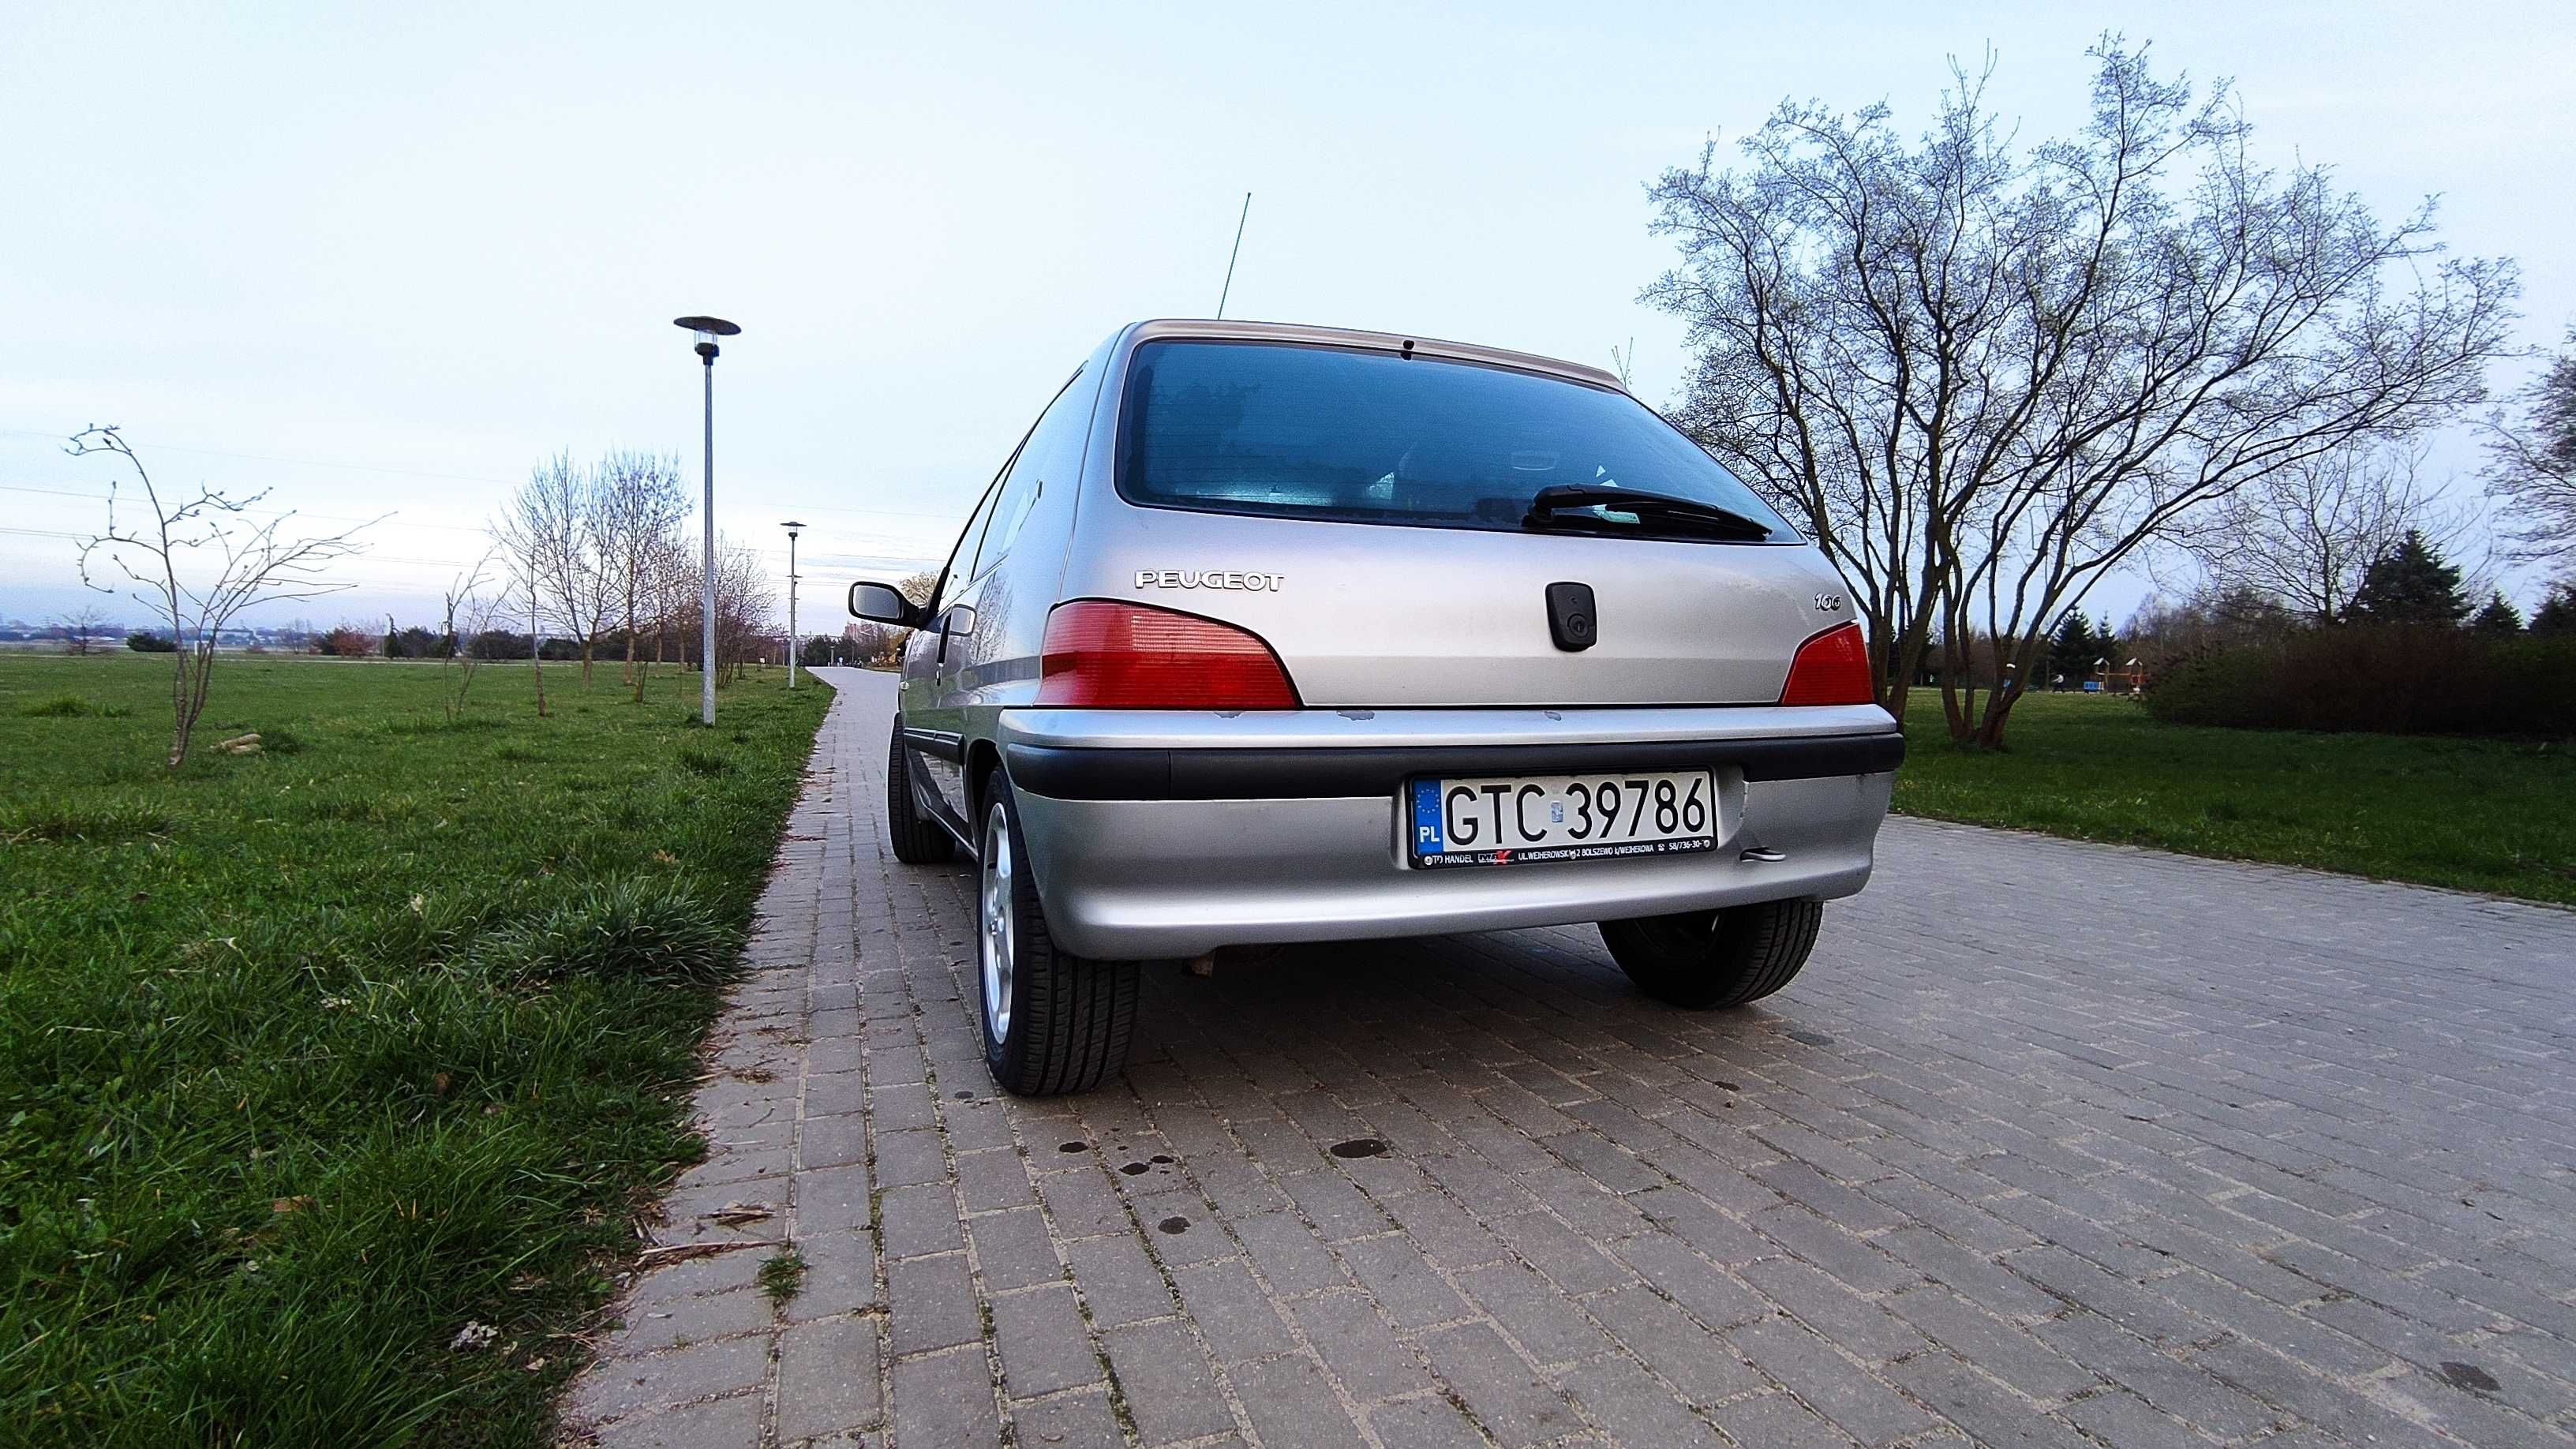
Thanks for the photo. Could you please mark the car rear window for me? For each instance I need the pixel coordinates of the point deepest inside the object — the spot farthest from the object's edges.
(1367, 437)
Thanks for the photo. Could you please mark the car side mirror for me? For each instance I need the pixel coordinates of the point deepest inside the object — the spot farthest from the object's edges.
(883, 604)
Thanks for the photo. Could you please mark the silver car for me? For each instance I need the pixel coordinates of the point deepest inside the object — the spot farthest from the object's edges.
(1272, 633)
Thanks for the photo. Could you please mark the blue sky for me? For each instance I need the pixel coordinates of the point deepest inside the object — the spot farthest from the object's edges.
(385, 260)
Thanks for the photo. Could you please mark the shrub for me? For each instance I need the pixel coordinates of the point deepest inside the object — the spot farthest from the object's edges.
(618, 929)
(2395, 679)
(144, 641)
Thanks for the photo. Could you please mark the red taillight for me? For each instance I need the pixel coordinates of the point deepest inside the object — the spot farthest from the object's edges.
(1832, 668)
(1126, 656)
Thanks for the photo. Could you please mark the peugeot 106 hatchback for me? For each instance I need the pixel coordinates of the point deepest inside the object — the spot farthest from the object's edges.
(1275, 633)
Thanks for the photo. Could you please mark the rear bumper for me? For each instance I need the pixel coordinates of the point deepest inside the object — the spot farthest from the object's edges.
(1154, 834)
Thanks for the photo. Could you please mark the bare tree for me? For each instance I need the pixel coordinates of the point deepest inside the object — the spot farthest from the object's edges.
(79, 629)
(637, 507)
(2531, 459)
(2303, 536)
(471, 605)
(746, 609)
(551, 529)
(1983, 377)
(198, 564)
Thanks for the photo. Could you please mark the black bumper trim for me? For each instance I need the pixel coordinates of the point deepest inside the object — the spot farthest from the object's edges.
(1272, 773)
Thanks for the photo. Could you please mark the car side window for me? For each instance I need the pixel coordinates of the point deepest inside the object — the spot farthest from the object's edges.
(1040, 454)
(955, 575)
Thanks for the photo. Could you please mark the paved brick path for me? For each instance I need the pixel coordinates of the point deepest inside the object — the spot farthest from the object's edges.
(2052, 1145)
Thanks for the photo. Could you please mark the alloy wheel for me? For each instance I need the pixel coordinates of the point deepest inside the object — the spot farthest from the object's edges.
(996, 917)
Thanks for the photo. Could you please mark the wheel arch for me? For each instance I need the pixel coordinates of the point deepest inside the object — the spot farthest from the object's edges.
(983, 757)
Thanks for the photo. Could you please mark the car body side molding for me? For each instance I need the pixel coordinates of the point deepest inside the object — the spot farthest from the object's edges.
(1090, 773)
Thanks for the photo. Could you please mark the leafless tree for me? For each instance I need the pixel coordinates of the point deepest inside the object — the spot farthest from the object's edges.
(1982, 376)
(746, 609)
(79, 629)
(2531, 458)
(199, 563)
(471, 604)
(637, 504)
(2304, 535)
(551, 530)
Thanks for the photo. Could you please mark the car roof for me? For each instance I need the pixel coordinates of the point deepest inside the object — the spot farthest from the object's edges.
(1230, 329)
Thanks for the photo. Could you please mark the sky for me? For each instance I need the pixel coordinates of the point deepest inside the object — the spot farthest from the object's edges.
(382, 261)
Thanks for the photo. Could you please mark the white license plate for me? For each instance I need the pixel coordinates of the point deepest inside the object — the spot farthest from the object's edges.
(1523, 819)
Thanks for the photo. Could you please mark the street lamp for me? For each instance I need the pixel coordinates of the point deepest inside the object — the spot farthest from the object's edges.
(708, 330)
(791, 525)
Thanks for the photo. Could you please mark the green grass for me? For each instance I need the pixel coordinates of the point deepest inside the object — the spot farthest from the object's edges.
(2481, 815)
(782, 1276)
(312, 1057)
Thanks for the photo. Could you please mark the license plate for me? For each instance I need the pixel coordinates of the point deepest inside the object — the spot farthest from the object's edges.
(1530, 818)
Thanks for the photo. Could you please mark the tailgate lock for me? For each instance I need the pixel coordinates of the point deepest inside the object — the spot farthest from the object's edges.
(1570, 620)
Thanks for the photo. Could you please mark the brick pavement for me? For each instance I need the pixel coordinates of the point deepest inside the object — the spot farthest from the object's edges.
(2052, 1144)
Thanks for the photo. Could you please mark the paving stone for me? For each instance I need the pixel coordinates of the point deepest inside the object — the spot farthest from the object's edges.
(1869, 1409)
(1859, 1327)
(2155, 1160)
(1119, 1283)
(623, 1385)
(1068, 1421)
(724, 1424)
(827, 1377)
(1013, 1250)
(1289, 1254)
(1289, 1402)
(1355, 1341)
(1511, 1401)
(907, 1158)
(1621, 1397)
(1997, 1347)
(1167, 1381)
(1536, 1313)
(994, 1178)
(1407, 1290)
(1777, 1421)
(1041, 1339)
(1237, 1318)
(1426, 1422)
(1696, 1360)
(918, 1220)
(931, 1304)
(946, 1399)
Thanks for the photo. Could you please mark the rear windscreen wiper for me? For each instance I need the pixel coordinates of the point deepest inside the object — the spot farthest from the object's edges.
(1660, 512)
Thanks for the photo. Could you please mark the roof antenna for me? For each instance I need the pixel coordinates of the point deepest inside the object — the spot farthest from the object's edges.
(1230, 256)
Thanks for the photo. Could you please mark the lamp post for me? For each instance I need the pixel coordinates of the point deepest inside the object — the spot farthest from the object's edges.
(708, 330)
(791, 525)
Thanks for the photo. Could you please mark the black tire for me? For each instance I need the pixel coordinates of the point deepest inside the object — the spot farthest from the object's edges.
(1071, 1018)
(916, 838)
(1707, 959)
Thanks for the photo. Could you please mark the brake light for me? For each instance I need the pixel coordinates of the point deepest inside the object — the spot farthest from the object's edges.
(1126, 656)
(1832, 668)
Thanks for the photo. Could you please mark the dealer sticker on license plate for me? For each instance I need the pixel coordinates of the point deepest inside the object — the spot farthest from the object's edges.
(1532, 818)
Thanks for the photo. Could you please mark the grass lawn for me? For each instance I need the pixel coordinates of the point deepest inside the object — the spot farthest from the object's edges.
(2480, 815)
(312, 1057)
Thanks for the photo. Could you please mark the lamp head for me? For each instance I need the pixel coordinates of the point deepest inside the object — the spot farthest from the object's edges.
(708, 329)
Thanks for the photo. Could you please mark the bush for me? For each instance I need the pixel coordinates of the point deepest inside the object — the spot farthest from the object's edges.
(619, 929)
(2394, 679)
(144, 641)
